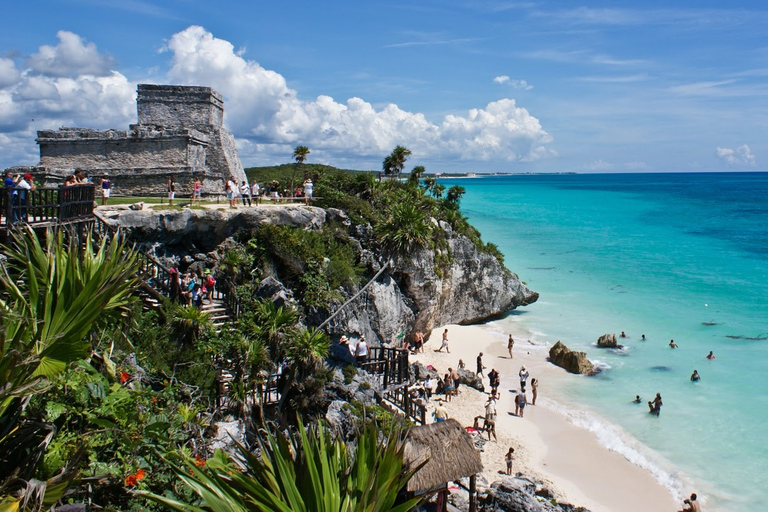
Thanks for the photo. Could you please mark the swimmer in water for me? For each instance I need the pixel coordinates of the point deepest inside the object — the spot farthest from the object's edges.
(642, 337)
(710, 355)
(623, 335)
(672, 344)
(637, 400)
(695, 377)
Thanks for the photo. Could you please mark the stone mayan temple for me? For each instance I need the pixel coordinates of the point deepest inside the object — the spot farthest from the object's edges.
(180, 133)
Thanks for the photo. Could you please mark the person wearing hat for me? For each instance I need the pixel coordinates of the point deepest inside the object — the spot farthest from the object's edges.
(523, 378)
(441, 413)
(308, 190)
(361, 351)
(106, 187)
(344, 341)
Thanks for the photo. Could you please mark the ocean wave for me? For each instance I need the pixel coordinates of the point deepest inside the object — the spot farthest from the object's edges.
(600, 366)
(617, 440)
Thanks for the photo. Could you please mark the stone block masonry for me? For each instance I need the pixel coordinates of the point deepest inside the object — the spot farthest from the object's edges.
(180, 133)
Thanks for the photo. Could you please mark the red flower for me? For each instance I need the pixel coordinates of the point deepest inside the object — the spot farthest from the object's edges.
(132, 480)
(124, 377)
(199, 462)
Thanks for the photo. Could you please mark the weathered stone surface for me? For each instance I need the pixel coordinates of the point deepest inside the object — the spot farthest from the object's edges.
(272, 289)
(519, 494)
(574, 362)
(608, 341)
(340, 419)
(180, 133)
(470, 379)
(208, 228)
(418, 372)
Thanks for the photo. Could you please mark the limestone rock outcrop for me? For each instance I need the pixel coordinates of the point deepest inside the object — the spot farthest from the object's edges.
(521, 494)
(608, 341)
(570, 360)
(415, 292)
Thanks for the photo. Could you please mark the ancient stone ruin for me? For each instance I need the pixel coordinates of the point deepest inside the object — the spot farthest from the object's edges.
(180, 133)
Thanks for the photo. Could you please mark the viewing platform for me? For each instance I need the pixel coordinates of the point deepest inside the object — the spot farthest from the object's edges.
(46, 206)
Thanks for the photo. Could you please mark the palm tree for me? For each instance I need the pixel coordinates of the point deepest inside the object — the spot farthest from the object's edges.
(395, 162)
(416, 173)
(455, 193)
(300, 154)
(406, 229)
(308, 470)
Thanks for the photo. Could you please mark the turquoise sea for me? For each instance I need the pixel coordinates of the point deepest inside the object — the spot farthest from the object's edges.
(672, 256)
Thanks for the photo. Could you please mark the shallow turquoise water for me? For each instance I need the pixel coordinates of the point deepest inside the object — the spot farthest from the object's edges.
(661, 255)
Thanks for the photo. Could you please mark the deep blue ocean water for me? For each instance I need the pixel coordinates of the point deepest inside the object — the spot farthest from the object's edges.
(672, 256)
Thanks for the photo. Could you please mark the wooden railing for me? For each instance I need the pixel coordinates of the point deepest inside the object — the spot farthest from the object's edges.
(401, 397)
(46, 205)
(391, 364)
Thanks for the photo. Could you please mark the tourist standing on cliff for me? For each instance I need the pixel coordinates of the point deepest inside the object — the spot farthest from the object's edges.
(256, 192)
(361, 351)
(308, 190)
(171, 186)
(106, 187)
(245, 193)
(510, 346)
(445, 343)
(197, 192)
(232, 192)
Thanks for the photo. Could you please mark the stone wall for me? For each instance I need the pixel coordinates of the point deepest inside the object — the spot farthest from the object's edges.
(174, 105)
(179, 133)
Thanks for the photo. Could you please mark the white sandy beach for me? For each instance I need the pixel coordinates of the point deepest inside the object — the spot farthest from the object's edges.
(567, 458)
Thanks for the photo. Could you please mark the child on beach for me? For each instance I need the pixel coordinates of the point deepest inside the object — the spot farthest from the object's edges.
(509, 458)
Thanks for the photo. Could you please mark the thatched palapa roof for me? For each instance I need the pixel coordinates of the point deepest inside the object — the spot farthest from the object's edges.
(448, 450)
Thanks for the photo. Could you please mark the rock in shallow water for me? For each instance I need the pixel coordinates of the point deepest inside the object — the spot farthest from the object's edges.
(574, 362)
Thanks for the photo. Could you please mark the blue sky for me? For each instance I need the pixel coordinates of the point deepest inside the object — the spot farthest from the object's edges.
(466, 85)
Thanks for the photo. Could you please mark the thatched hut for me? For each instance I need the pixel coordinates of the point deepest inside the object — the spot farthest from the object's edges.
(449, 454)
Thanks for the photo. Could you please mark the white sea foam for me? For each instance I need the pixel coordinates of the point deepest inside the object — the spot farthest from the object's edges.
(615, 439)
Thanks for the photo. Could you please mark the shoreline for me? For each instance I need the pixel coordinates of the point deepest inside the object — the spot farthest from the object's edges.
(568, 458)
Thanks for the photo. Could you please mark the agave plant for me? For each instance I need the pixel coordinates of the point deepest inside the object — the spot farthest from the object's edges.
(306, 471)
(406, 229)
(54, 293)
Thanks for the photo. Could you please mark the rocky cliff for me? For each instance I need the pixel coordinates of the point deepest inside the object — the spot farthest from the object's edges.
(414, 292)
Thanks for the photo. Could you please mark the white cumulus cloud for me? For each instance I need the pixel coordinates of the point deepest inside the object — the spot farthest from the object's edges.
(502, 79)
(73, 84)
(71, 57)
(741, 155)
(263, 108)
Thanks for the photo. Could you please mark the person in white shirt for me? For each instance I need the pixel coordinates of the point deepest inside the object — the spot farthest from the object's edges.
(361, 351)
(232, 191)
(256, 192)
(245, 193)
(308, 190)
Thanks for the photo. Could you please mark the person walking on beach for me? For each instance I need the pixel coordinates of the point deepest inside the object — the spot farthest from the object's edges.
(695, 377)
(509, 459)
(523, 378)
(520, 401)
(494, 380)
(655, 405)
(510, 346)
(490, 418)
(445, 343)
(480, 366)
(534, 390)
